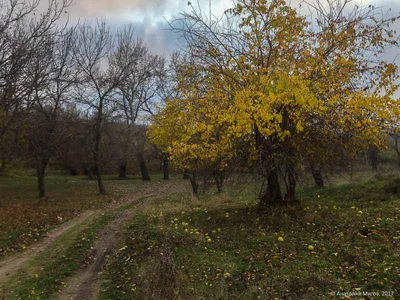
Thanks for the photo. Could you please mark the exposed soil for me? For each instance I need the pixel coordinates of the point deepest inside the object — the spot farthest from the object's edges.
(85, 285)
(11, 265)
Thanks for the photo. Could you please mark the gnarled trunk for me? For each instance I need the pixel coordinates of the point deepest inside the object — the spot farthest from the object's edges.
(272, 194)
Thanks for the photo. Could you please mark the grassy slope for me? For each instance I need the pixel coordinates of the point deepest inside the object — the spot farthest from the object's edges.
(221, 248)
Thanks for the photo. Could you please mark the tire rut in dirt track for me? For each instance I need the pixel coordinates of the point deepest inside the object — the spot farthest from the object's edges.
(85, 284)
(11, 265)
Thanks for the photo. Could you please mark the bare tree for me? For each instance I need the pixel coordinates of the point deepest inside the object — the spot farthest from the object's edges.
(104, 61)
(23, 34)
(138, 91)
(53, 74)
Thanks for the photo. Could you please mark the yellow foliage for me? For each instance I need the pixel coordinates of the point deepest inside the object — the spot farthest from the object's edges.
(295, 87)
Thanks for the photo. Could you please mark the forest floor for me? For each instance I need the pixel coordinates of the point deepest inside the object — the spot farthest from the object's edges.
(155, 241)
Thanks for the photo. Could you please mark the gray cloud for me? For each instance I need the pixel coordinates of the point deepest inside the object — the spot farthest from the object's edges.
(120, 8)
(136, 9)
(149, 16)
(158, 38)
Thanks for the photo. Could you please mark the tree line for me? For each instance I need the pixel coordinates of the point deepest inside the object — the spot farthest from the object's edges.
(262, 89)
(73, 92)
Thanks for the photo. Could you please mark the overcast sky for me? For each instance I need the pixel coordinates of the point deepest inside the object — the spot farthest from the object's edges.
(149, 16)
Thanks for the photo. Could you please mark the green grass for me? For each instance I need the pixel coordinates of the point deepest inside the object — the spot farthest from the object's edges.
(226, 249)
(44, 274)
(358, 171)
(133, 204)
(24, 218)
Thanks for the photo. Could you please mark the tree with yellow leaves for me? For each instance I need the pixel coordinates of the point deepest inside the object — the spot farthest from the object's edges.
(195, 135)
(287, 85)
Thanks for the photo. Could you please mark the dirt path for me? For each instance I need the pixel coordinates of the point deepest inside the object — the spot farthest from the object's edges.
(85, 285)
(11, 265)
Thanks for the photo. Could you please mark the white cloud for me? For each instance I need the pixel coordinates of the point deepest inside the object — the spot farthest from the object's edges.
(149, 15)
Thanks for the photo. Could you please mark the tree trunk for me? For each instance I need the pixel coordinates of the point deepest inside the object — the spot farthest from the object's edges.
(373, 152)
(219, 179)
(290, 196)
(396, 148)
(42, 191)
(398, 159)
(90, 173)
(122, 170)
(317, 174)
(186, 174)
(41, 164)
(194, 183)
(73, 171)
(96, 152)
(102, 190)
(143, 168)
(38, 173)
(272, 194)
(2, 167)
(165, 165)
